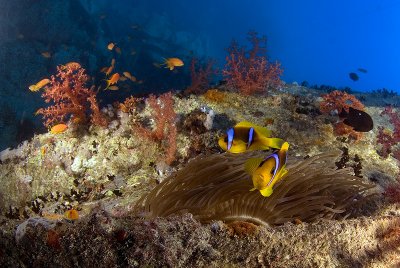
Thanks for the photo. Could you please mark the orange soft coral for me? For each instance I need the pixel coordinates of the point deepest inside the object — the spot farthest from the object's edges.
(338, 100)
(70, 97)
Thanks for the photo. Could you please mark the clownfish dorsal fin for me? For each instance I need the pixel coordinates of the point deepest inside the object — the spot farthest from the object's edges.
(285, 146)
(245, 124)
(259, 129)
(275, 143)
(262, 131)
(283, 153)
(252, 164)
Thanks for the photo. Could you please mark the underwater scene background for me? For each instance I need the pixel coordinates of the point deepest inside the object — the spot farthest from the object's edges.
(199, 133)
(320, 44)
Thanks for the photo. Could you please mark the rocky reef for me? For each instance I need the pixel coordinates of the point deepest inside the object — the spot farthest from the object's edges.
(103, 172)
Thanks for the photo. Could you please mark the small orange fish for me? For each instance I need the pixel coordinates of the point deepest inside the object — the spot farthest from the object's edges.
(39, 85)
(128, 75)
(118, 50)
(43, 150)
(59, 128)
(113, 80)
(109, 70)
(46, 54)
(52, 216)
(123, 78)
(104, 69)
(71, 214)
(111, 46)
(113, 87)
(73, 64)
(113, 62)
(172, 63)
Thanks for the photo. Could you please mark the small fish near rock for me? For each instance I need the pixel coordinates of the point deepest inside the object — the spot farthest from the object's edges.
(71, 215)
(59, 128)
(359, 120)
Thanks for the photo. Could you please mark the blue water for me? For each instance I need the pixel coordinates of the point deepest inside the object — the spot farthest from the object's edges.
(318, 41)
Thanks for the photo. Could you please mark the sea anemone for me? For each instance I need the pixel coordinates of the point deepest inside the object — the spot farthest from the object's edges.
(217, 188)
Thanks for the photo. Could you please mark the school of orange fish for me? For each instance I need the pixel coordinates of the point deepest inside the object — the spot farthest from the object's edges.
(111, 79)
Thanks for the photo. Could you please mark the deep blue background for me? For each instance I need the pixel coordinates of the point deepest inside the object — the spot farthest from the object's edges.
(318, 41)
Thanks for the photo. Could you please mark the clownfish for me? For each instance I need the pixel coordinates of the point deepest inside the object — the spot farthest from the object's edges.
(172, 63)
(266, 172)
(246, 136)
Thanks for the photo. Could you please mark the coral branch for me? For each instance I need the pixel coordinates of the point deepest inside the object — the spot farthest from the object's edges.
(96, 118)
(338, 100)
(165, 131)
(200, 76)
(70, 97)
(250, 71)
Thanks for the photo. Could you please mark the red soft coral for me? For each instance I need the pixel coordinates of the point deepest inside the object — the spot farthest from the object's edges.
(70, 97)
(250, 71)
(338, 100)
(387, 138)
(390, 145)
(200, 76)
(165, 131)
